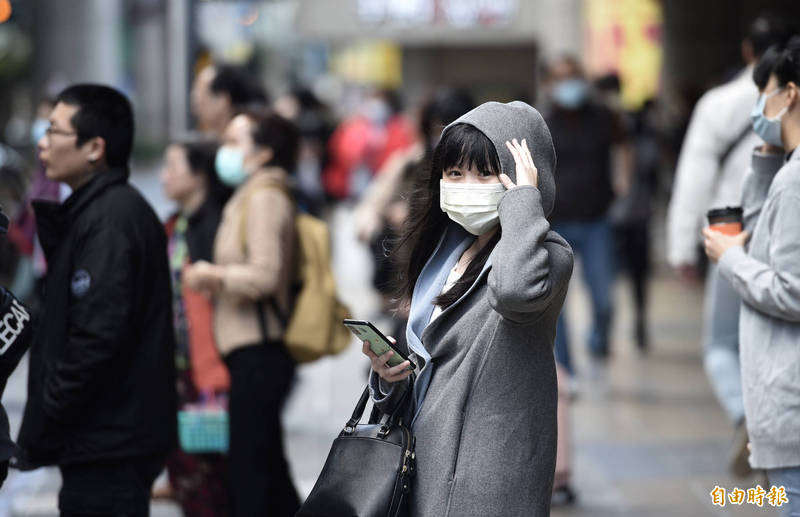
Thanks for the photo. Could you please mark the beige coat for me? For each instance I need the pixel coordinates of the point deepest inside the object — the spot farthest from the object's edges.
(254, 245)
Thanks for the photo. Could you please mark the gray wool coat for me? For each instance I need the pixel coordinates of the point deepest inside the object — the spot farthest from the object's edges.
(485, 417)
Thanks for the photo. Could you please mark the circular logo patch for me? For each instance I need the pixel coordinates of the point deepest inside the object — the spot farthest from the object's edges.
(81, 281)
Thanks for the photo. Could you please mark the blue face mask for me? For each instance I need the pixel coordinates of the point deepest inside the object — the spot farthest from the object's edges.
(38, 129)
(230, 166)
(769, 129)
(570, 93)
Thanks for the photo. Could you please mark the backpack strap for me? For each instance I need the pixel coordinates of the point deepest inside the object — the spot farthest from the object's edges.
(261, 305)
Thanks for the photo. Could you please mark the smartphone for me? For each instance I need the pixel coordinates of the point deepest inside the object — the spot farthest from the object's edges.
(380, 344)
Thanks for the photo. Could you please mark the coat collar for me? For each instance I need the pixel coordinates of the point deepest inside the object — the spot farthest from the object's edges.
(452, 245)
(52, 218)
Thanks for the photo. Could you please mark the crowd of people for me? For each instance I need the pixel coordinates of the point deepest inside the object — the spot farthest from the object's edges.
(474, 215)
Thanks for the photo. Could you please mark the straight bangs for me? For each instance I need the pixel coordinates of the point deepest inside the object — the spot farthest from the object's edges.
(466, 147)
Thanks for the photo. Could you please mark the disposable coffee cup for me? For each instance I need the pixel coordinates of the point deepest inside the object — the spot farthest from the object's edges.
(726, 220)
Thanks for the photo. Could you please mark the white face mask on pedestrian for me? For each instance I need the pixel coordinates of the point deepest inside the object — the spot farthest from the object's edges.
(473, 206)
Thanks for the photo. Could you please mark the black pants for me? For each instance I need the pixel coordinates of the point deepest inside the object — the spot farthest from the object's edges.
(633, 250)
(109, 488)
(260, 484)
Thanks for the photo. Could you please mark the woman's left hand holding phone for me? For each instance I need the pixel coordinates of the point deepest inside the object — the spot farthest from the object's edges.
(380, 366)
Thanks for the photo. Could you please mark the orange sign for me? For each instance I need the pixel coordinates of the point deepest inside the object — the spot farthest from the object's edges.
(5, 10)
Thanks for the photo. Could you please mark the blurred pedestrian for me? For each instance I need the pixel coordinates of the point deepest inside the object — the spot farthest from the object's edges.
(219, 92)
(313, 120)
(631, 215)
(250, 280)
(714, 159)
(101, 380)
(363, 142)
(588, 139)
(767, 277)
(486, 278)
(189, 178)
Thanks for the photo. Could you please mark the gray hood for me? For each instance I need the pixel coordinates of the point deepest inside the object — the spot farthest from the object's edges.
(501, 122)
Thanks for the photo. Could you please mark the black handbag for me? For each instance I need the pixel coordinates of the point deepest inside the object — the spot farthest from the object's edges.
(368, 471)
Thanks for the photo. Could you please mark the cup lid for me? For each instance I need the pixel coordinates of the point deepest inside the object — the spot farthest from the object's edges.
(725, 212)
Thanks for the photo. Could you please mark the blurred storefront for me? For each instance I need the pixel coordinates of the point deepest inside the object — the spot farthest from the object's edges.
(150, 48)
(488, 47)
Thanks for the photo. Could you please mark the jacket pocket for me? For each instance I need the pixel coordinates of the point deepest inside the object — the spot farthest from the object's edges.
(450, 496)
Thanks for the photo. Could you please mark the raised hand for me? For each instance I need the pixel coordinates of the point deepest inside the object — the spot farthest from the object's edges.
(527, 174)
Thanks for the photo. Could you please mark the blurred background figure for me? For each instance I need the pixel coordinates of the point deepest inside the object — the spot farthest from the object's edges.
(198, 481)
(587, 137)
(713, 161)
(249, 280)
(593, 157)
(362, 143)
(631, 214)
(219, 92)
(314, 122)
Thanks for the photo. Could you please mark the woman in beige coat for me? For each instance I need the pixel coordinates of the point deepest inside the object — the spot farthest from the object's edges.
(250, 282)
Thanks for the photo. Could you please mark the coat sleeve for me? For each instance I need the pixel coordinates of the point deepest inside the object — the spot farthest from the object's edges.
(773, 288)
(100, 307)
(698, 163)
(269, 217)
(531, 265)
(389, 396)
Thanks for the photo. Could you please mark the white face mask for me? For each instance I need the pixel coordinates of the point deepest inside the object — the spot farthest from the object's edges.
(473, 206)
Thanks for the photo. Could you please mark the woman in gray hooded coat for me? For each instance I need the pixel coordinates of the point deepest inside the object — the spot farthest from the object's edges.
(486, 279)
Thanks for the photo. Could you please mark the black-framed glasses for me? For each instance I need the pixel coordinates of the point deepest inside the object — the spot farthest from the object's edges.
(50, 131)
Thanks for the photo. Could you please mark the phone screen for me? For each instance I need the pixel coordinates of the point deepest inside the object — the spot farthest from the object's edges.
(379, 343)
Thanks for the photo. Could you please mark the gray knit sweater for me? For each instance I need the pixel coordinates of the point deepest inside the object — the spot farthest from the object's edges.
(767, 277)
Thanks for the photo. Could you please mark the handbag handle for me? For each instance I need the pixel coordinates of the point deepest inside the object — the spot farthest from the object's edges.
(358, 412)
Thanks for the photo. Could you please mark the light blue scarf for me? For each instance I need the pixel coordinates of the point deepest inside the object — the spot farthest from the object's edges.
(430, 283)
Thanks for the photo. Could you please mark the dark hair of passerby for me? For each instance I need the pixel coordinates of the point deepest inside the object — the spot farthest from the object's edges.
(238, 84)
(570, 60)
(281, 135)
(200, 154)
(608, 83)
(765, 31)
(766, 63)
(787, 68)
(393, 100)
(464, 146)
(105, 113)
(445, 106)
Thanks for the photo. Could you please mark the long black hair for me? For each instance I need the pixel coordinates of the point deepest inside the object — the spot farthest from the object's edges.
(461, 146)
(763, 68)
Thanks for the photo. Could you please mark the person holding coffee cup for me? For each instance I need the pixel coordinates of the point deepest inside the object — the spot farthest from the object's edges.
(767, 277)
(721, 343)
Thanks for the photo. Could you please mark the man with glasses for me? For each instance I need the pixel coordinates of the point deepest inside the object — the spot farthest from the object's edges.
(101, 389)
